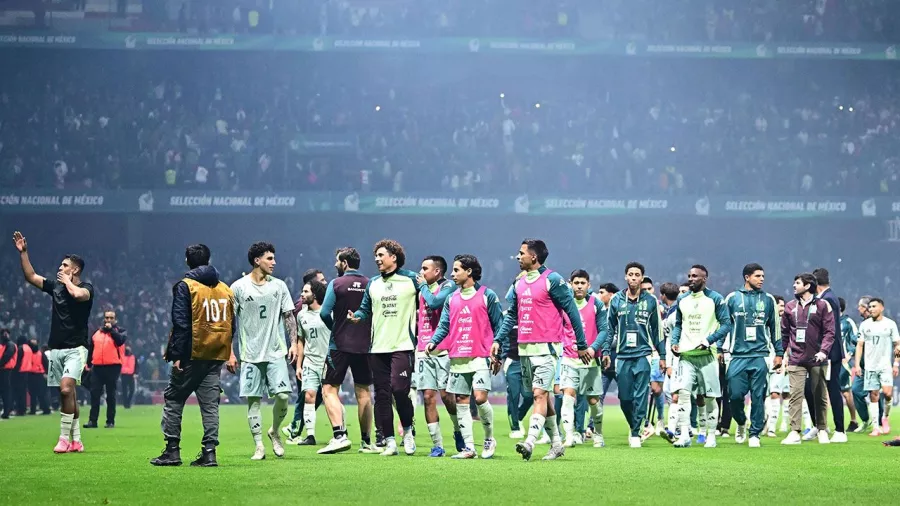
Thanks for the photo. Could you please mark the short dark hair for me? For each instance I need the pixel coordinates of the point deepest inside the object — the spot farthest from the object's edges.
(876, 299)
(394, 248)
(779, 298)
(580, 273)
(539, 248)
(440, 261)
(310, 275)
(669, 291)
(318, 290)
(77, 260)
(470, 262)
(702, 268)
(259, 249)
(749, 269)
(637, 265)
(807, 279)
(684, 284)
(646, 280)
(197, 255)
(609, 287)
(349, 255)
(821, 275)
(842, 304)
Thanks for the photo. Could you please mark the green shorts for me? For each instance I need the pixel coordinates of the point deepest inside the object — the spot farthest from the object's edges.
(68, 363)
(699, 375)
(584, 380)
(462, 383)
(538, 372)
(311, 377)
(256, 377)
(844, 378)
(432, 373)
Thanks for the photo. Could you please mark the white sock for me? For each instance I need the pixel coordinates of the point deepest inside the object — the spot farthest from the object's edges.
(414, 396)
(684, 414)
(785, 413)
(535, 426)
(65, 425)
(465, 425)
(279, 411)
(807, 421)
(434, 429)
(712, 415)
(76, 430)
(454, 420)
(597, 417)
(567, 413)
(873, 413)
(254, 420)
(773, 406)
(486, 413)
(552, 429)
(701, 417)
(309, 418)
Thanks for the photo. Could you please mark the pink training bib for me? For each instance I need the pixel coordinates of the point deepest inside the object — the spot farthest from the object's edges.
(539, 319)
(589, 322)
(470, 335)
(428, 320)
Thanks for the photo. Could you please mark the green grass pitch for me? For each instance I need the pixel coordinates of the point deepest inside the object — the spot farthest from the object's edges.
(115, 469)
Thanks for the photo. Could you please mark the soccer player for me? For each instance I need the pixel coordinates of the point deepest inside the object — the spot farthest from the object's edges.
(633, 323)
(647, 286)
(576, 377)
(72, 302)
(668, 294)
(606, 293)
(349, 350)
(433, 369)
(200, 342)
(470, 317)
(879, 343)
(701, 324)
(311, 350)
(389, 302)
(540, 304)
(294, 430)
(264, 306)
(807, 331)
(754, 329)
(860, 395)
(848, 340)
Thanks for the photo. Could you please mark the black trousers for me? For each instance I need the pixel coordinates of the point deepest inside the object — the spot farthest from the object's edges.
(104, 377)
(5, 391)
(127, 390)
(835, 397)
(37, 391)
(19, 384)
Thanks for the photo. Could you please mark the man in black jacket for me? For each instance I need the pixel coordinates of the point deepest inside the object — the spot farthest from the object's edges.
(835, 360)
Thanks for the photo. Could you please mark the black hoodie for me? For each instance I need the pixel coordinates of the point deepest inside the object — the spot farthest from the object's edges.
(179, 347)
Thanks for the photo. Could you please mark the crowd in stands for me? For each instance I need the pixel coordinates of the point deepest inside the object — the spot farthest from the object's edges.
(684, 20)
(594, 126)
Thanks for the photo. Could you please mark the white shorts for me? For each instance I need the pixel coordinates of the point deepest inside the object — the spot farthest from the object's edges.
(876, 379)
(779, 384)
(255, 378)
(699, 375)
(68, 363)
(584, 380)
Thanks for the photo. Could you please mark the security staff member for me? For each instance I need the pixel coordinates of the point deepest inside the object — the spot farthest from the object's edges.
(105, 350)
(129, 371)
(200, 342)
(8, 362)
(37, 380)
(20, 377)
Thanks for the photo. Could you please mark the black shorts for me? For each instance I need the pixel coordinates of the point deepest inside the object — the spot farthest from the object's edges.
(337, 364)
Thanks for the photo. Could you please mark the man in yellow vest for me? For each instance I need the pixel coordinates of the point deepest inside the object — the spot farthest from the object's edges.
(199, 344)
